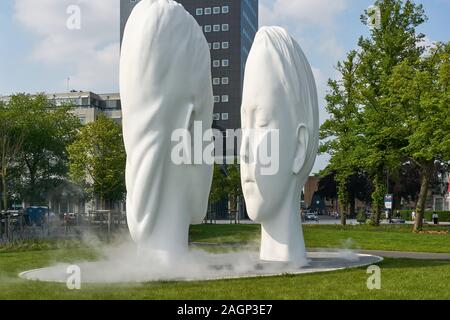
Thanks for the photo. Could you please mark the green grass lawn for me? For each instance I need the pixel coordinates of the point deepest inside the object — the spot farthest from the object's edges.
(389, 237)
(400, 278)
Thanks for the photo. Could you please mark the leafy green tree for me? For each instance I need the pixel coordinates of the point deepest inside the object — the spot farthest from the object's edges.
(341, 132)
(358, 186)
(419, 91)
(395, 41)
(11, 141)
(233, 186)
(47, 129)
(327, 187)
(365, 133)
(218, 188)
(97, 160)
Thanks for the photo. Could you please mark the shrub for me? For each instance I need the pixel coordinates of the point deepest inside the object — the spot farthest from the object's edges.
(444, 216)
(361, 217)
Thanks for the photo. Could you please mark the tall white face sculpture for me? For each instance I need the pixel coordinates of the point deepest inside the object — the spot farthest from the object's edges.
(165, 84)
(279, 95)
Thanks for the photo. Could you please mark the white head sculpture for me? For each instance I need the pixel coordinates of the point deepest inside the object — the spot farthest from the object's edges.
(165, 85)
(279, 94)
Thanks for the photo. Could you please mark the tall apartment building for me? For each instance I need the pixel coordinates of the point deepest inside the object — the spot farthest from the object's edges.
(229, 27)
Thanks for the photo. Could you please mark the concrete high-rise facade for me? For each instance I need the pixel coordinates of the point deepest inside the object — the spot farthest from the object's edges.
(229, 27)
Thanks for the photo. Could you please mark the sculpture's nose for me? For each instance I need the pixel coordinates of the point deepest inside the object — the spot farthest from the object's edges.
(245, 152)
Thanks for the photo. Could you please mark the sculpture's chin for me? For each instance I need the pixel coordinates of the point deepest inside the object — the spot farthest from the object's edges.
(256, 211)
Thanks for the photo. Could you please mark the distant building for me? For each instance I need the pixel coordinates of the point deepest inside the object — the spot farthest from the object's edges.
(310, 188)
(441, 197)
(229, 28)
(316, 202)
(88, 105)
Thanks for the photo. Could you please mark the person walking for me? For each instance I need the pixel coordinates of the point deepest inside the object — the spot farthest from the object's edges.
(435, 218)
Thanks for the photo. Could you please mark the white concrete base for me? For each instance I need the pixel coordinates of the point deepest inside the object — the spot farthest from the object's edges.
(200, 266)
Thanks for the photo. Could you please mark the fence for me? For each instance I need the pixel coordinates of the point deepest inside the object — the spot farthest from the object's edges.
(221, 211)
(101, 223)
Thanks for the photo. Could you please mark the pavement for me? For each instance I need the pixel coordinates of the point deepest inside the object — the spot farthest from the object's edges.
(325, 220)
(408, 255)
(380, 253)
(385, 254)
(395, 254)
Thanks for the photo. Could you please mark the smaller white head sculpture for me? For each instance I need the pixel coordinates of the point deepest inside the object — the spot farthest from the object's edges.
(165, 85)
(279, 96)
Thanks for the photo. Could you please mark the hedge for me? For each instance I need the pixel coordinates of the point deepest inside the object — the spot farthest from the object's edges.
(444, 216)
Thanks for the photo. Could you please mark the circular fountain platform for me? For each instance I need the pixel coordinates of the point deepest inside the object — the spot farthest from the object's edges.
(198, 267)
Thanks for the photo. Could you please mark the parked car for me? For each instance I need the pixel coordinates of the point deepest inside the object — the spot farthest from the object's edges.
(311, 216)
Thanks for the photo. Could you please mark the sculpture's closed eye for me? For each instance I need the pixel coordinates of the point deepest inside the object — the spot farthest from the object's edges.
(262, 123)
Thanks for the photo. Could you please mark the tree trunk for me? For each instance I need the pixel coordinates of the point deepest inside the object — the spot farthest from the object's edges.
(377, 199)
(101, 203)
(344, 216)
(343, 199)
(420, 210)
(4, 199)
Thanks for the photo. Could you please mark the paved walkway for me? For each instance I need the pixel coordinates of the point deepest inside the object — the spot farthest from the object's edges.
(408, 255)
(381, 253)
(396, 254)
(325, 220)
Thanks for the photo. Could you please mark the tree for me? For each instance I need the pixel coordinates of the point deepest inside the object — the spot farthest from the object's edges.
(419, 91)
(327, 187)
(11, 141)
(388, 46)
(218, 190)
(358, 187)
(341, 131)
(97, 160)
(233, 187)
(47, 129)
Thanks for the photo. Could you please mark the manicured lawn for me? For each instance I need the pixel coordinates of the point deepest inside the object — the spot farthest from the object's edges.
(391, 238)
(400, 278)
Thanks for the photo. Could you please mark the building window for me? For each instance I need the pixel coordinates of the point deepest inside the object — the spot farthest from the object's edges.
(199, 11)
(225, 80)
(216, 10)
(225, 63)
(216, 81)
(207, 28)
(216, 116)
(216, 99)
(225, 9)
(216, 63)
(216, 45)
(224, 116)
(216, 28)
(207, 11)
(225, 98)
(225, 45)
(225, 27)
